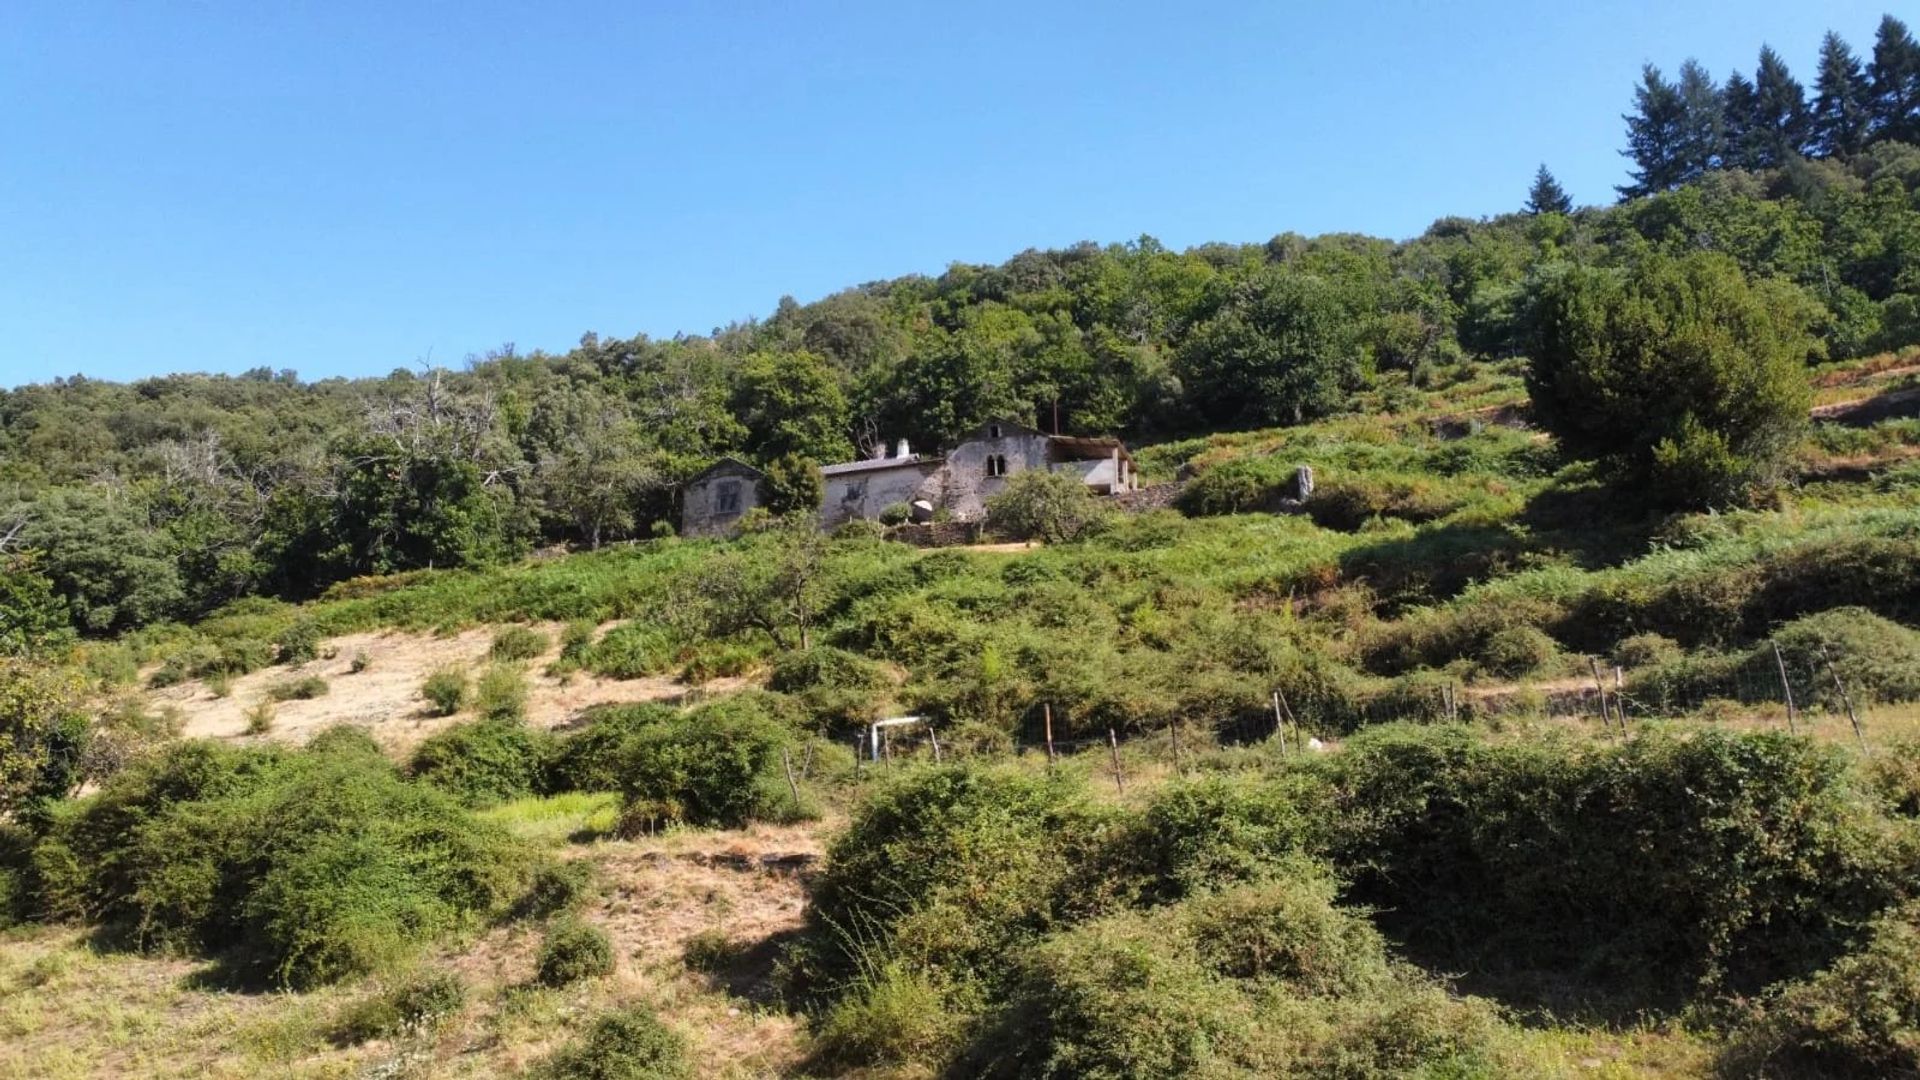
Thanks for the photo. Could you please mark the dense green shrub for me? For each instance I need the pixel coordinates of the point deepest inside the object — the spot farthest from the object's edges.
(482, 762)
(1513, 651)
(299, 642)
(445, 690)
(633, 651)
(951, 867)
(1687, 375)
(417, 1003)
(840, 688)
(1043, 505)
(631, 1044)
(719, 764)
(1241, 485)
(1731, 860)
(514, 643)
(306, 866)
(593, 758)
(1858, 1018)
(1646, 650)
(1210, 833)
(572, 952)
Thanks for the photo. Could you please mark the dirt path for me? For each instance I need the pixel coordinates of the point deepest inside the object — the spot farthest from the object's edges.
(385, 697)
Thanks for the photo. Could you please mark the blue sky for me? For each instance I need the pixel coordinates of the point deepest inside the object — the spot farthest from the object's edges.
(344, 188)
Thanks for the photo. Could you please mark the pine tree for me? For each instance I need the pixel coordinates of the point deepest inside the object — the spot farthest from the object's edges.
(1738, 102)
(1547, 196)
(1654, 135)
(1841, 106)
(1780, 111)
(1895, 82)
(1702, 132)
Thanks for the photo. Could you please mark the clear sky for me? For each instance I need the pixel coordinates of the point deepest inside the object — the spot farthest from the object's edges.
(347, 187)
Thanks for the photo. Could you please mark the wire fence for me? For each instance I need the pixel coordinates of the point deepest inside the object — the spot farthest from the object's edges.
(1798, 689)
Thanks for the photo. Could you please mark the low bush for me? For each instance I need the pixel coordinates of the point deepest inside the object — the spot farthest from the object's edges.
(557, 888)
(894, 1017)
(259, 717)
(1646, 650)
(303, 689)
(361, 662)
(719, 764)
(500, 694)
(482, 762)
(1050, 506)
(514, 643)
(593, 758)
(299, 642)
(1514, 651)
(633, 651)
(709, 951)
(418, 1004)
(1877, 659)
(576, 640)
(574, 952)
(841, 689)
(445, 690)
(1242, 485)
(631, 1044)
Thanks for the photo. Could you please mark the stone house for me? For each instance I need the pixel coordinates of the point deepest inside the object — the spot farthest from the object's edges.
(713, 502)
(961, 481)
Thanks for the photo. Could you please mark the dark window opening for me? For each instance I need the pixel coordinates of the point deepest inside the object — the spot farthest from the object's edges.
(997, 465)
(993, 431)
(726, 498)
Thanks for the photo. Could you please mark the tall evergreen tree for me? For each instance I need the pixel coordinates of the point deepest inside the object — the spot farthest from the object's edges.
(1895, 82)
(1738, 103)
(1654, 133)
(1702, 127)
(1780, 111)
(1842, 108)
(1547, 196)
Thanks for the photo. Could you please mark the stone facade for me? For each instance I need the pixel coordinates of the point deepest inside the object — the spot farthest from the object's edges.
(714, 501)
(860, 490)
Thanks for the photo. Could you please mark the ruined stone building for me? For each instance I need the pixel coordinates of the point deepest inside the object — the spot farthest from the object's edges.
(961, 481)
(714, 501)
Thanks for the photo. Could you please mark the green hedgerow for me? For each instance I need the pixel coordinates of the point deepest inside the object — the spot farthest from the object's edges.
(717, 765)
(574, 951)
(517, 643)
(592, 759)
(631, 1044)
(1514, 651)
(445, 690)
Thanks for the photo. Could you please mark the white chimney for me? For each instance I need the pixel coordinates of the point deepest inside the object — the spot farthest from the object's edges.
(900, 450)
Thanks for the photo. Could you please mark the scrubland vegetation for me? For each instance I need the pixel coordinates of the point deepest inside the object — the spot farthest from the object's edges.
(1567, 727)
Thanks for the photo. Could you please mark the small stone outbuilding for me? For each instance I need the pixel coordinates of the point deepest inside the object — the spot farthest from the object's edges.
(714, 501)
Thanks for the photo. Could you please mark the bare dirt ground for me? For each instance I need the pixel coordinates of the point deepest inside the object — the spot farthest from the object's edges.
(385, 697)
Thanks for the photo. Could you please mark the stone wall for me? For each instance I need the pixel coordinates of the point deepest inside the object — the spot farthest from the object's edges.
(864, 494)
(1157, 497)
(701, 512)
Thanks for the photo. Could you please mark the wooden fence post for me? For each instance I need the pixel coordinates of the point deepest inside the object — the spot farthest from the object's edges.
(1620, 697)
(1173, 733)
(1279, 725)
(1119, 780)
(1845, 699)
(1786, 690)
(934, 737)
(1047, 711)
(1600, 688)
